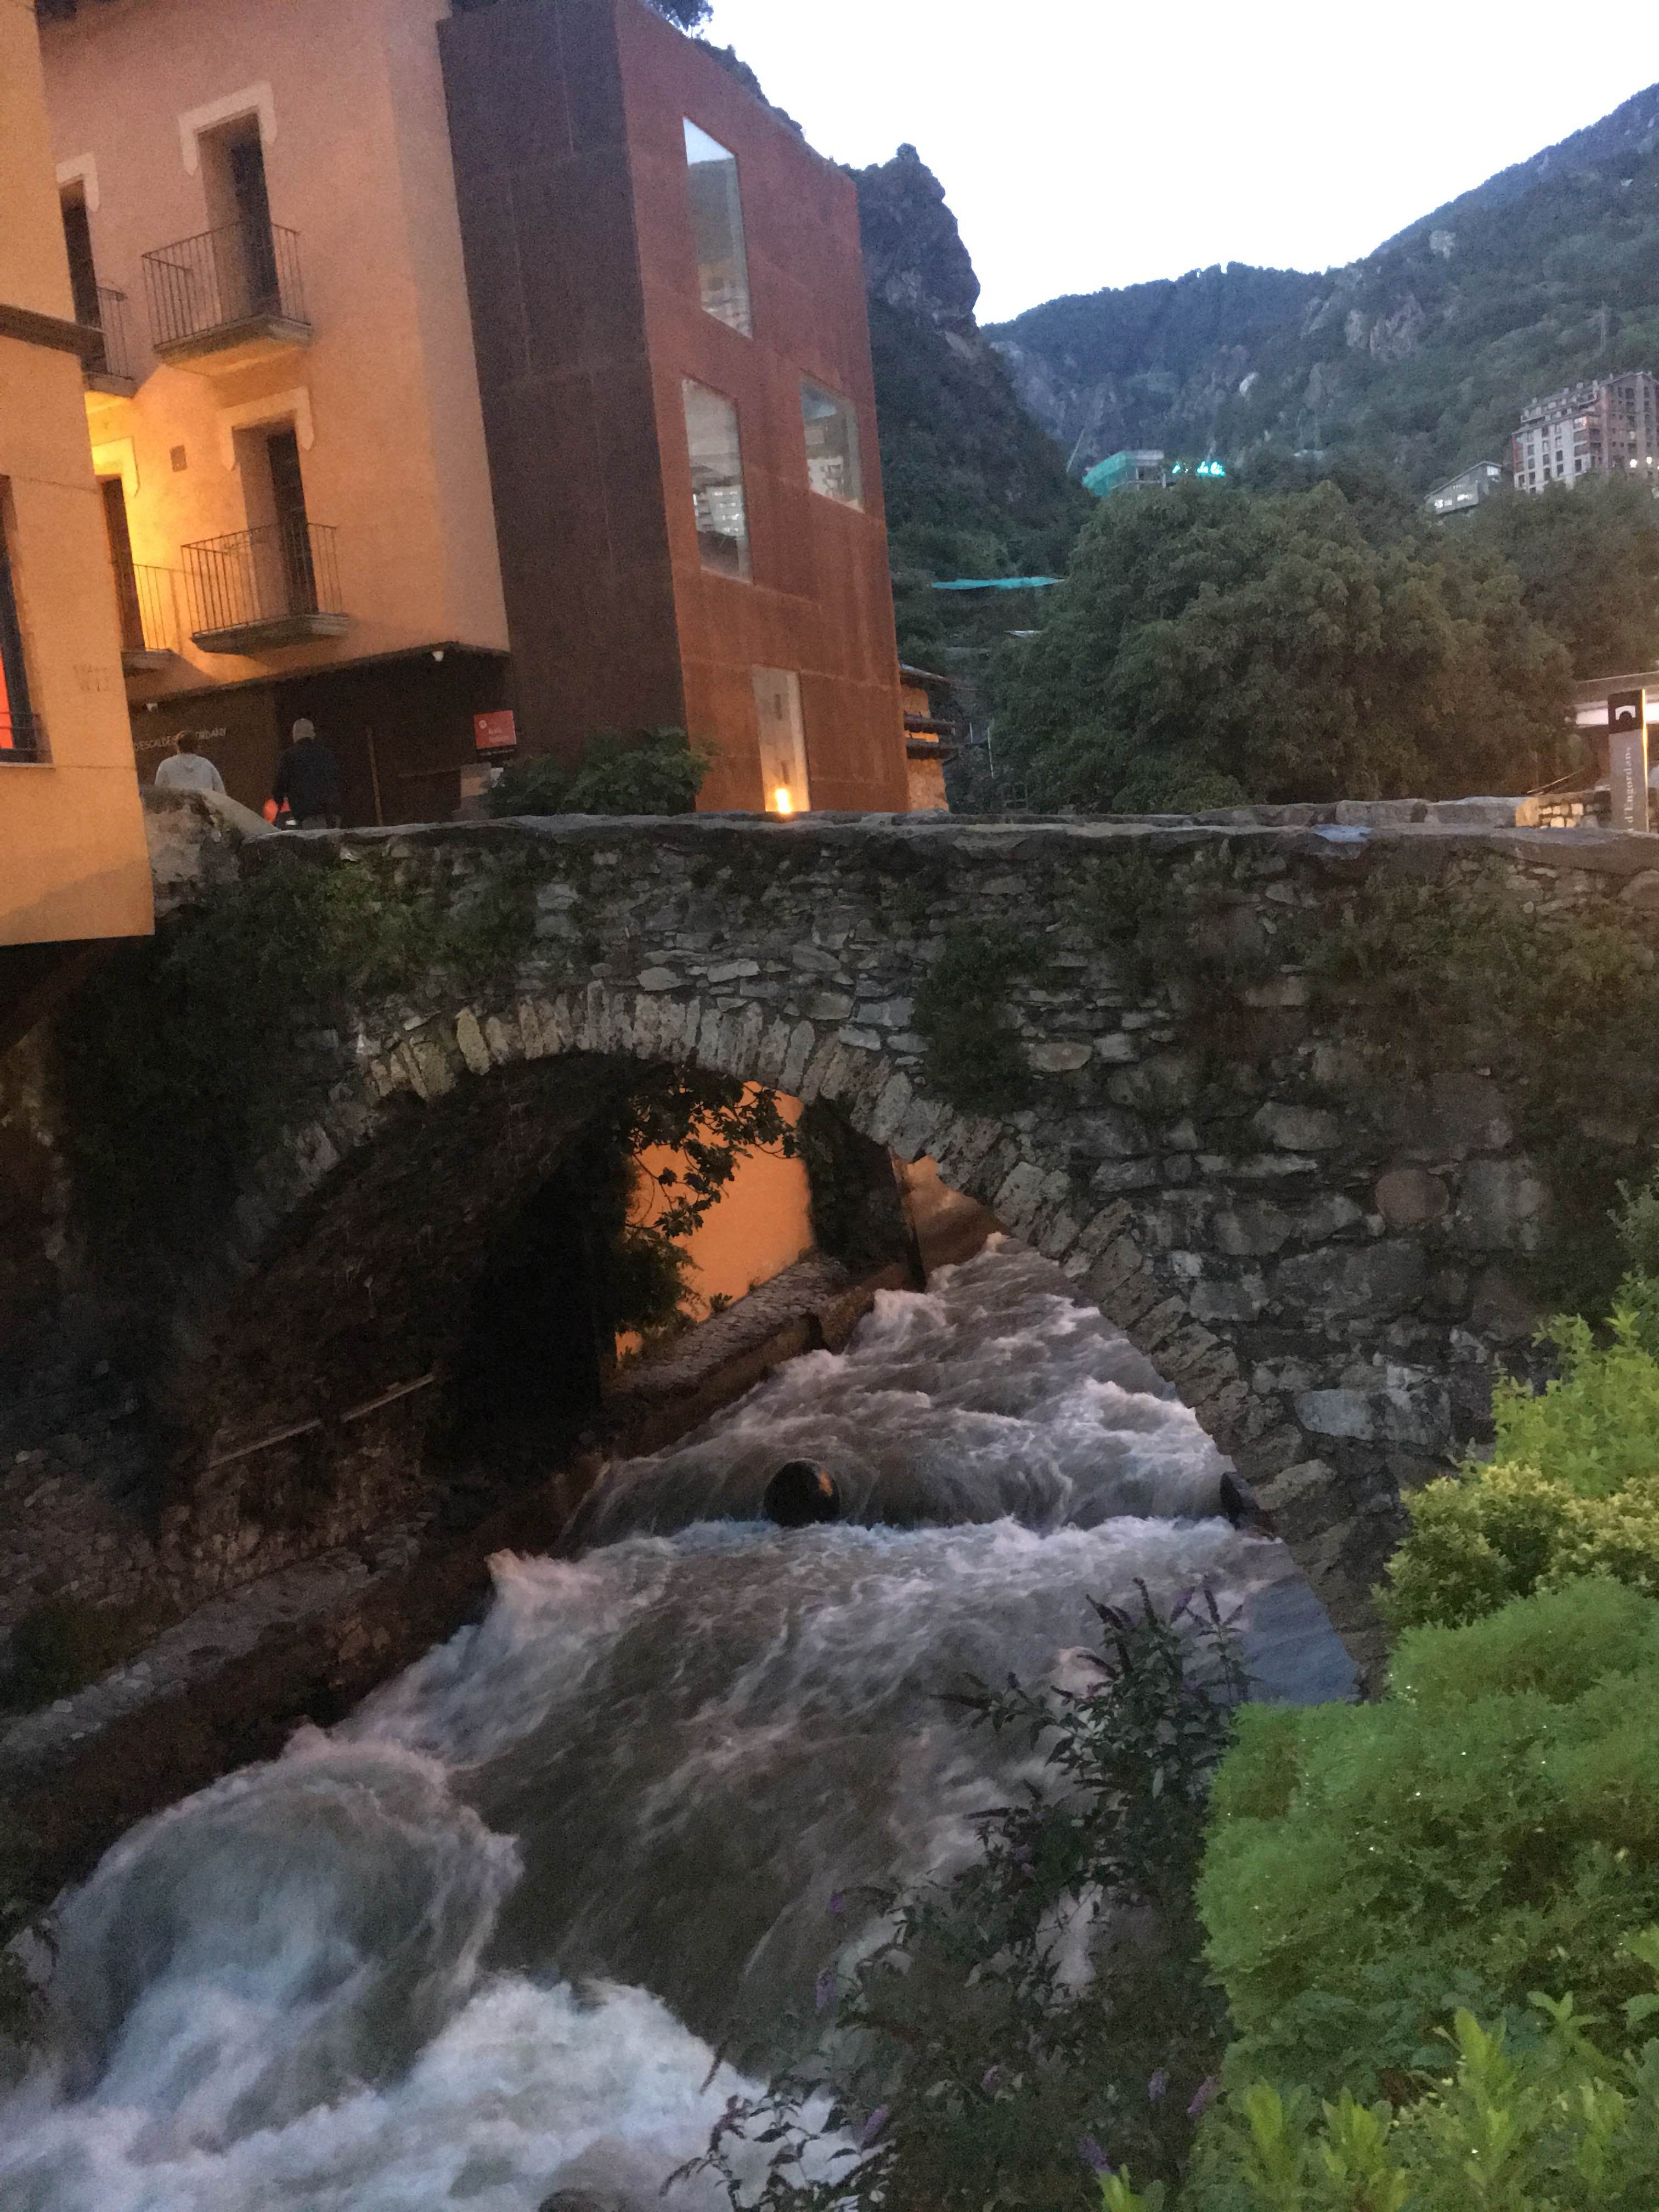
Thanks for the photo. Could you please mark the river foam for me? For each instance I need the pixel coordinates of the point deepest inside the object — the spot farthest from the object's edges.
(484, 1940)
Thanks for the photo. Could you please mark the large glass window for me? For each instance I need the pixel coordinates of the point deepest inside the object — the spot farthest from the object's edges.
(832, 445)
(782, 741)
(711, 438)
(717, 228)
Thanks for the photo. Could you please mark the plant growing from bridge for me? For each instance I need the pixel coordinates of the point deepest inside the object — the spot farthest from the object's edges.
(641, 772)
(186, 1048)
(642, 1216)
(974, 1057)
(1049, 1999)
(1558, 1004)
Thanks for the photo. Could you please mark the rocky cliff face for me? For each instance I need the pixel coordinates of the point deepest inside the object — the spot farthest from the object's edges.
(1421, 355)
(973, 485)
(915, 261)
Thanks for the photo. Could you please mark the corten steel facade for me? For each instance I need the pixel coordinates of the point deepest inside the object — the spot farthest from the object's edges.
(568, 130)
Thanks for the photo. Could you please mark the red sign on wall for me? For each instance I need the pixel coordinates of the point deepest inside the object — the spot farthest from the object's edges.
(496, 733)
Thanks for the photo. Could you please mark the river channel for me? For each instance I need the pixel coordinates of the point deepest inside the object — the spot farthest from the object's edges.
(483, 1941)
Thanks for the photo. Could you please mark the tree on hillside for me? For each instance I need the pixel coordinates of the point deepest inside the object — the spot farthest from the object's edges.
(972, 486)
(1211, 645)
(1589, 563)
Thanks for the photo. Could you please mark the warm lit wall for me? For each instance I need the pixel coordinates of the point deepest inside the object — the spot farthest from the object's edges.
(358, 164)
(761, 1223)
(72, 856)
(925, 779)
(821, 599)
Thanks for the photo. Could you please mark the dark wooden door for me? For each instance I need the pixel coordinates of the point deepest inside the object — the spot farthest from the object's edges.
(120, 562)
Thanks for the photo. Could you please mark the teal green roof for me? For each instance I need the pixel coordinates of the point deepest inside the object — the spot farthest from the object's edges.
(996, 583)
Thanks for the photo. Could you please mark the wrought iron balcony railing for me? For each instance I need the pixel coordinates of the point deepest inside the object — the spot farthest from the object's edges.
(273, 586)
(239, 281)
(148, 600)
(112, 365)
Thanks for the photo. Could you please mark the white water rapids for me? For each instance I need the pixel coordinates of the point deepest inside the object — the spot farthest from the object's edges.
(478, 1944)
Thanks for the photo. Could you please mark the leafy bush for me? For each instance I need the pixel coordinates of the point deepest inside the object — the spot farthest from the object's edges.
(1502, 1532)
(1535, 2118)
(647, 772)
(1597, 1427)
(1573, 1486)
(1472, 1837)
(1052, 1998)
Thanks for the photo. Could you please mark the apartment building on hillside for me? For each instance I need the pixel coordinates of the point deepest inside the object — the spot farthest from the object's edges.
(471, 355)
(1606, 427)
(74, 868)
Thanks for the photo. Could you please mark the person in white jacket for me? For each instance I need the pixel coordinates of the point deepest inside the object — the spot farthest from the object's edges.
(187, 769)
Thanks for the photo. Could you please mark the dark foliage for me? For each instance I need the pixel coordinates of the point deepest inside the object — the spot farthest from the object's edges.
(1588, 564)
(636, 771)
(1212, 646)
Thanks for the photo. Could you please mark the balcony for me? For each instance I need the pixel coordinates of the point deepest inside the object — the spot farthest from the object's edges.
(109, 370)
(229, 298)
(259, 588)
(148, 600)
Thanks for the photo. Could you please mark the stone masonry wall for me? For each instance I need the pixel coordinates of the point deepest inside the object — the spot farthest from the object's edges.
(1324, 1251)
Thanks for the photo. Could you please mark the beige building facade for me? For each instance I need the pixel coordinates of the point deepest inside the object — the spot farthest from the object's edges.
(73, 864)
(285, 423)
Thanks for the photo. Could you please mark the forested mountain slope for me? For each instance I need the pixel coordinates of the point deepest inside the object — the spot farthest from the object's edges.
(1421, 355)
(973, 485)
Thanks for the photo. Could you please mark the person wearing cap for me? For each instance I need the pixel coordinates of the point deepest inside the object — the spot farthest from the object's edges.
(309, 781)
(186, 769)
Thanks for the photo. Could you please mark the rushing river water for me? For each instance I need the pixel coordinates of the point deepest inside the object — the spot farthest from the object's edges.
(480, 1943)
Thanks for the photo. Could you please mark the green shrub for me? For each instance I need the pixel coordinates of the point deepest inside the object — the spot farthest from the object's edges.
(1597, 1425)
(1502, 1532)
(1474, 1837)
(641, 772)
(1573, 1486)
(1535, 2117)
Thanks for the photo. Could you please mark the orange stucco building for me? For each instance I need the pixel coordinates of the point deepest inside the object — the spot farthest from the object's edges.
(73, 864)
(508, 356)
(286, 420)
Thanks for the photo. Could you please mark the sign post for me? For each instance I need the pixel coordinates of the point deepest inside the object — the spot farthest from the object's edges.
(1627, 758)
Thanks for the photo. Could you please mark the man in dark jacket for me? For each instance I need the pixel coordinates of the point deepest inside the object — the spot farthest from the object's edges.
(309, 781)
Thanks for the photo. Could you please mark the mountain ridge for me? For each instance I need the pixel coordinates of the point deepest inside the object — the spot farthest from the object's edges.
(1420, 354)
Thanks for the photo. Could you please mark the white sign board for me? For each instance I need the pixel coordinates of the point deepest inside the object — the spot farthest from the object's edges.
(1627, 758)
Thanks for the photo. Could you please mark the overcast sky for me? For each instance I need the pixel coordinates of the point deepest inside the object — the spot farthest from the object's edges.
(1082, 144)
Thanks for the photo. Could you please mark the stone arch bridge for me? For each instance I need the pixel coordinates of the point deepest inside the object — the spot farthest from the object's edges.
(1114, 1035)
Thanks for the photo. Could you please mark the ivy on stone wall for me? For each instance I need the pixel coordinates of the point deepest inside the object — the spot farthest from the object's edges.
(975, 1056)
(187, 1047)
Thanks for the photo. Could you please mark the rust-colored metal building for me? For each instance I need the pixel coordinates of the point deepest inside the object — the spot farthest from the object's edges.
(668, 314)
